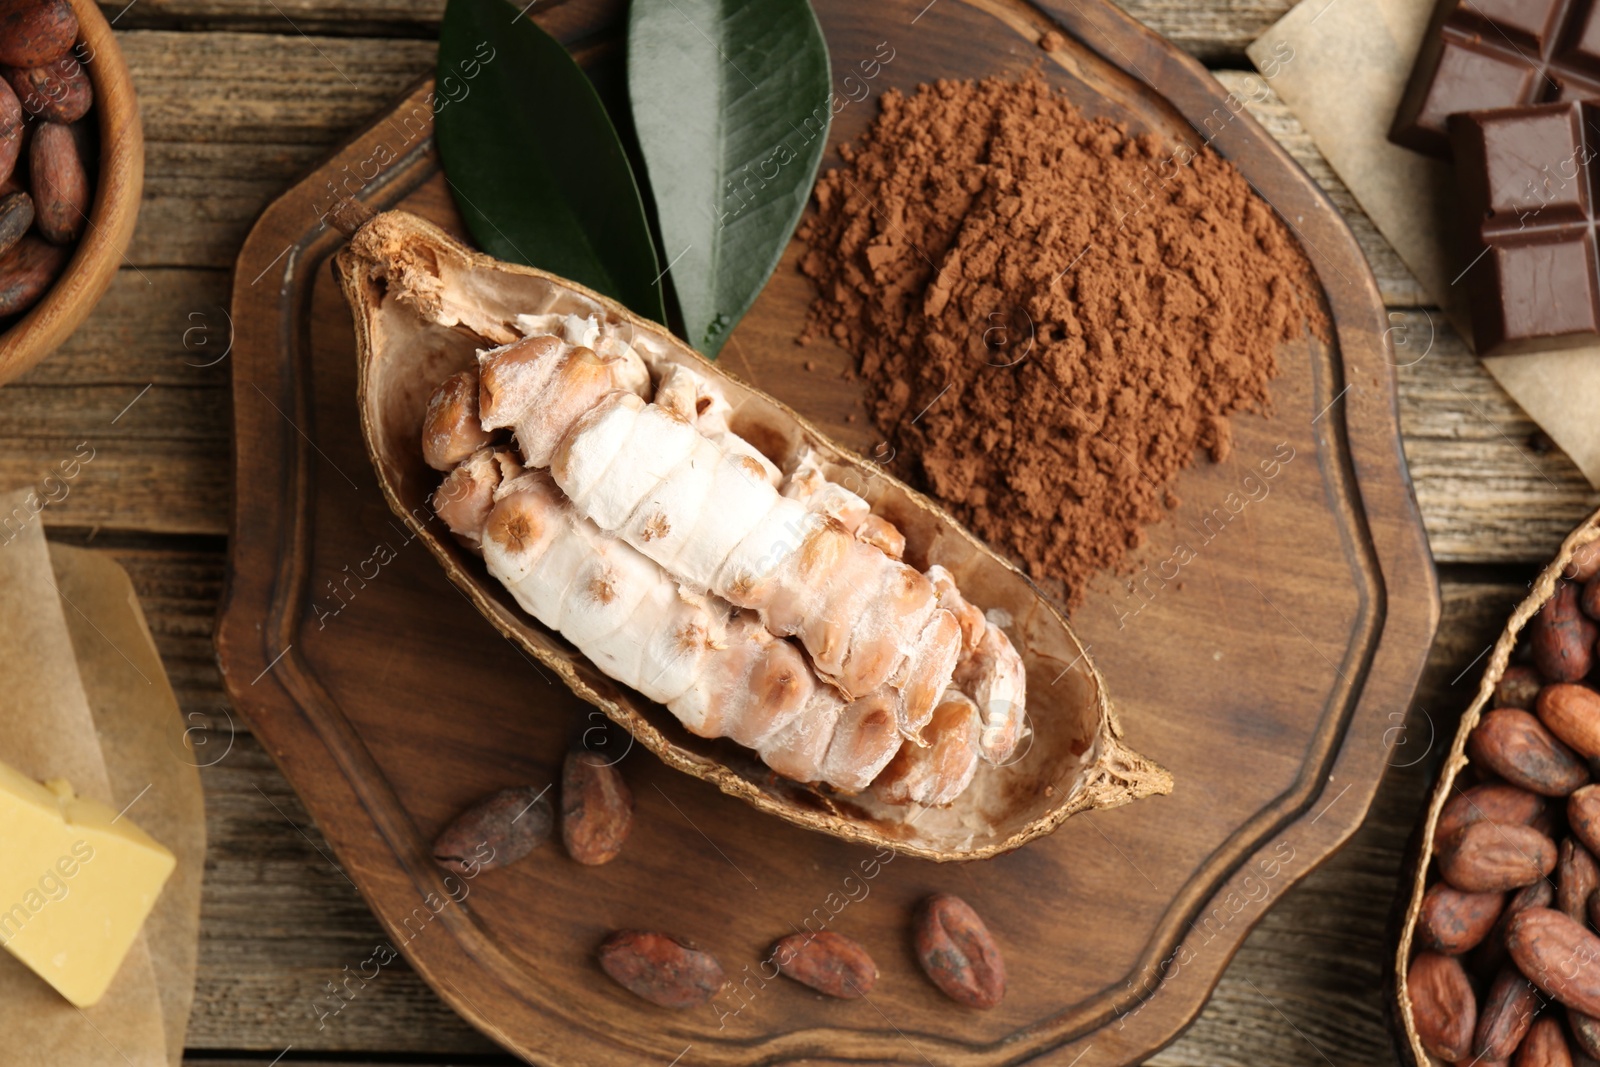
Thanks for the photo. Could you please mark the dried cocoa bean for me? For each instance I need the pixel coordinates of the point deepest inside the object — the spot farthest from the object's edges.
(827, 962)
(664, 970)
(1557, 955)
(1561, 637)
(60, 184)
(1491, 953)
(500, 829)
(1577, 877)
(1572, 713)
(1589, 599)
(16, 215)
(596, 808)
(1518, 688)
(1517, 747)
(1491, 802)
(27, 271)
(1486, 857)
(1453, 922)
(1507, 1013)
(1442, 1006)
(1583, 816)
(1585, 562)
(58, 91)
(1545, 1045)
(12, 131)
(1585, 1031)
(33, 32)
(958, 953)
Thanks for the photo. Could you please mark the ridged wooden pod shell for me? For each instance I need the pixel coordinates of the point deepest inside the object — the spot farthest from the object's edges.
(424, 303)
(1414, 876)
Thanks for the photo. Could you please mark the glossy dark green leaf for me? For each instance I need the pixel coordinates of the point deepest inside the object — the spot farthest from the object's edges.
(731, 103)
(533, 161)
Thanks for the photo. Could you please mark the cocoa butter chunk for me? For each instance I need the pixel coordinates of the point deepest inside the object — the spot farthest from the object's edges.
(498, 830)
(828, 962)
(1516, 746)
(958, 953)
(663, 969)
(1443, 1008)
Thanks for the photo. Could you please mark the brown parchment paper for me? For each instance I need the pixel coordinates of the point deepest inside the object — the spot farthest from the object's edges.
(1350, 62)
(147, 753)
(50, 730)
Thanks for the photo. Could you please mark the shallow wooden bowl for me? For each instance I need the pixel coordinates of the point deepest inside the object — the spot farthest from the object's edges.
(119, 184)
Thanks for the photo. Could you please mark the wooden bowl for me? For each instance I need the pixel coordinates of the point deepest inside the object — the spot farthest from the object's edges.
(111, 217)
(1414, 877)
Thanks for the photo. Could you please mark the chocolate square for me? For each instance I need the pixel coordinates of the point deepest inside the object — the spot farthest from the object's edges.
(1527, 181)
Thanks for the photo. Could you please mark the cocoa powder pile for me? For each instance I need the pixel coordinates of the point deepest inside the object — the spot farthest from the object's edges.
(1050, 314)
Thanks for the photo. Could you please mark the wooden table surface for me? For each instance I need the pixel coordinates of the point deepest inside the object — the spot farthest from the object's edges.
(239, 97)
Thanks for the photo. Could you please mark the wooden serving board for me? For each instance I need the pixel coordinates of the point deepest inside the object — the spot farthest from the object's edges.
(1270, 672)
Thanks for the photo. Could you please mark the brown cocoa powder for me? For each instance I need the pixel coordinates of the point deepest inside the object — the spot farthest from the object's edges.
(1050, 313)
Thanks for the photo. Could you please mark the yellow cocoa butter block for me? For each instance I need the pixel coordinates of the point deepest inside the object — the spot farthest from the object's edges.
(76, 882)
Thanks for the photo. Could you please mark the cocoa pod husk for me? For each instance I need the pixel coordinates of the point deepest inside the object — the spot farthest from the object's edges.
(958, 953)
(1518, 687)
(27, 271)
(1585, 1032)
(497, 830)
(1545, 1045)
(1572, 713)
(1515, 745)
(1562, 637)
(1453, 922)
(60, 184)
(1443, 1008)
(58, 91)
(1487, 857)
(827, 962)
(16, 215)
(596, 808)
(1507, 1013)
(1583, 817)
(1577, 877)
(33, 32)
(1558, 955)
(1491, 802)
(665, 970)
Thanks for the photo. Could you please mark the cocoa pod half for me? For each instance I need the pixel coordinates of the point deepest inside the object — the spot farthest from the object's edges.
(1507, 1013)
(1486, 857)
(1545, 1046)
(1562, 637)
(1518, 688)
(1442, 1006)
(958, 953)
(664, 970)
(16, 215)
(58, 91)
(1557, 955)
(500, 829)
(1490, 802)
(1585, 1031)
(596, 808)
(27, 271)
(60, 184)
(1517, 747)
(1577, 877)
(1583, 816)
(1452, 922)
(827, 962)
(33, 32)
(1572, 713)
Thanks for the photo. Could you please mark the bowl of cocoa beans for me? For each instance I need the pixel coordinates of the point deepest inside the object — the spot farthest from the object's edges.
(1498, 958)
(71, 172)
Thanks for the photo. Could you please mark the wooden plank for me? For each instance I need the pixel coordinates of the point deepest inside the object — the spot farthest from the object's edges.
(281, 922)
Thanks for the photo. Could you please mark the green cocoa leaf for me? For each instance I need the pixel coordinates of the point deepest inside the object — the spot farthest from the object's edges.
(731, 104)
(532, 159)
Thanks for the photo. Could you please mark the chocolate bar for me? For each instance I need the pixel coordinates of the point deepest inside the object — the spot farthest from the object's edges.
(1527, 178)
(1481, 54)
